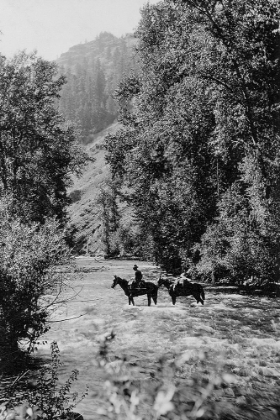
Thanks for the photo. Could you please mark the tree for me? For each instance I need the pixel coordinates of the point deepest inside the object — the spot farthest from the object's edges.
(201, 119)
(38, 155)
(38, 151)
(110, 217)
(245, 69)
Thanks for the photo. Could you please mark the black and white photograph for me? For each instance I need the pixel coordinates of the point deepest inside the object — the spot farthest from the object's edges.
(139, 209)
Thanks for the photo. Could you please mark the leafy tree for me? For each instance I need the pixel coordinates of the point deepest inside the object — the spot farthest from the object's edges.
(38, 151)
(200, 120)
(246, 71)
(38, 155)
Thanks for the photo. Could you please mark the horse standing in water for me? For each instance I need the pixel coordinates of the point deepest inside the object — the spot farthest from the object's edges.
(150, 289)
(187, 289)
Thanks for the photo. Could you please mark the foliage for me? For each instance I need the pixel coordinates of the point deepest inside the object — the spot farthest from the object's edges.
(179, 388)
(200, 120)
(110, 217)
(243, 242)
(38, 150)
(30, 255)
(47, 399)
(121, 232)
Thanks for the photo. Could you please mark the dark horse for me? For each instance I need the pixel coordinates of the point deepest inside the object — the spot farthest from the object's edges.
(188, 289)
(150, 289)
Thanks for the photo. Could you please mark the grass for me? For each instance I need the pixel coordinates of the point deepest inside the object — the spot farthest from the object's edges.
(233, 334)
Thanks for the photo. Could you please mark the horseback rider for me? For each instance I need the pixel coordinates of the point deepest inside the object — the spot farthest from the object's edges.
(137, 282)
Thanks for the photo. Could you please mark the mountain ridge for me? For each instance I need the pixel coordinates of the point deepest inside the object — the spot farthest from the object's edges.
(93, 72)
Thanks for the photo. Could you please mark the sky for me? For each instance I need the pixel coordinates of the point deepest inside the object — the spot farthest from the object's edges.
(53, 26)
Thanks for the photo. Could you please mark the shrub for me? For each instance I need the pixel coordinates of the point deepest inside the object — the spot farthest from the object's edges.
(46, 398)
(75, 196)
(29, 256)
(180, 388)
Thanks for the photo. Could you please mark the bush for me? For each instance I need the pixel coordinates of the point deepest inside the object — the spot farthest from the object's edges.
(75, 196)
(179, 388)
(46, 399)
(29, 256)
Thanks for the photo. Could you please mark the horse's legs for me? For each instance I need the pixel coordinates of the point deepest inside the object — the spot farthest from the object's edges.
(155, 299)
(130, 300)
(149, 300)
(198, 298)
(173, 297)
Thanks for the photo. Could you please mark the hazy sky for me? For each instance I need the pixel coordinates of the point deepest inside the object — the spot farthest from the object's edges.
(53, 26)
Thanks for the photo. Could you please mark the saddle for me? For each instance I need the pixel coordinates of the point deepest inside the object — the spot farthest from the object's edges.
(139, 286)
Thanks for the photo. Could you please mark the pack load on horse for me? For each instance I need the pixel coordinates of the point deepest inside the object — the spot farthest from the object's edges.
(150, 289)
(183, 286)
(182, 281)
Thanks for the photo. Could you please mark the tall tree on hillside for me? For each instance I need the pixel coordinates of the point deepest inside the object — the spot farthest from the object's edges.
(202, 120)
(38, 152)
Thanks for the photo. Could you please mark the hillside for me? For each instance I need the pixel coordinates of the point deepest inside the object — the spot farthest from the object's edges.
(93, 71)
(84, 212)
(106, 47)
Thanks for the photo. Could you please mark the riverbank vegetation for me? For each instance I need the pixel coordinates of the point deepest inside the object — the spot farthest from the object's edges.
(38, 155)
(197, 158)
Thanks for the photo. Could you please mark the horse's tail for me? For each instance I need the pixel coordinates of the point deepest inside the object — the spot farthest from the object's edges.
(202, 292)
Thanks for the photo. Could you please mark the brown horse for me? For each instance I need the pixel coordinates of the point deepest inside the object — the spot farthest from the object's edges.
(189, 289)
(150, 289)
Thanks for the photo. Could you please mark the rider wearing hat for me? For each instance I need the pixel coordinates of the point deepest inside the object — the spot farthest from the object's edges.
(138, 282)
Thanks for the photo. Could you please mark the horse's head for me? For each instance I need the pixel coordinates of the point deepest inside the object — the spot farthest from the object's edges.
(115, 281)
(160, 282)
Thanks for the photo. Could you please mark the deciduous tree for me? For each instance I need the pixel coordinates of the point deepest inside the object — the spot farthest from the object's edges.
(199, 121)
(38, 151)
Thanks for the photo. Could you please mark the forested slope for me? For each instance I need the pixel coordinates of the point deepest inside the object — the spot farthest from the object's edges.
(85, 211)
(93, 71)
(101, 223)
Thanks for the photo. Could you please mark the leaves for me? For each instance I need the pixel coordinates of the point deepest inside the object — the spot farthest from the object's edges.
(199, 147)
(38, 151)
(29, 257)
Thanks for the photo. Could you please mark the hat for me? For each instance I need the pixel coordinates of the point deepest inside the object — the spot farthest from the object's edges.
(135, 266)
